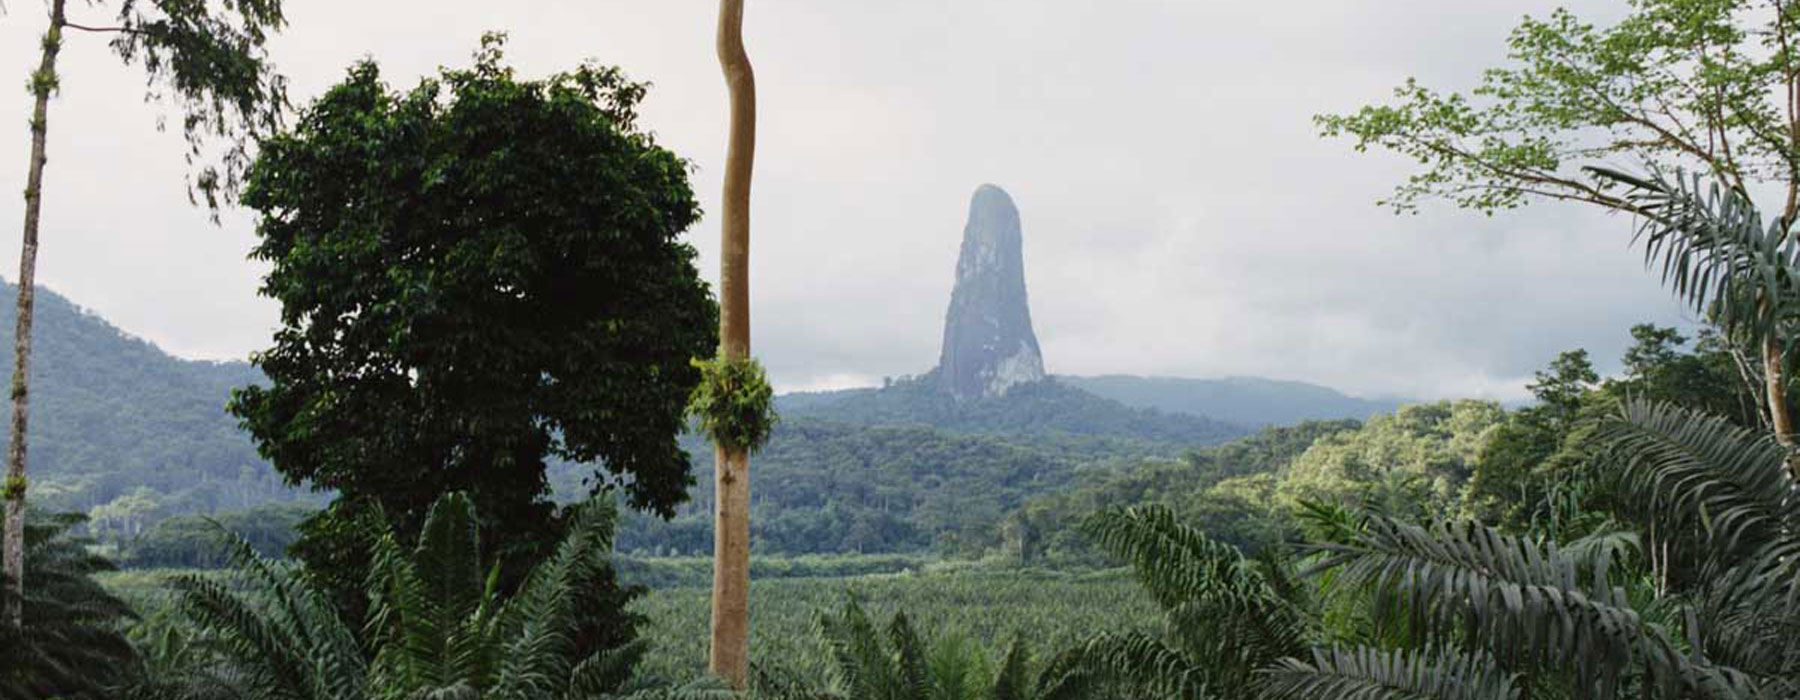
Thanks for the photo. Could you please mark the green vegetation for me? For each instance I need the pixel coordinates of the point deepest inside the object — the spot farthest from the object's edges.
(988, 606)
(112, 414)
(1047, 410)
(70, 643)
(483, 275)
(438, 623)
(733, 403)
(475, 275)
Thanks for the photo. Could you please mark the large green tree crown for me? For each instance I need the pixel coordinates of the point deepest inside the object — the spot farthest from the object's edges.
(475, 275)
(1701, 85)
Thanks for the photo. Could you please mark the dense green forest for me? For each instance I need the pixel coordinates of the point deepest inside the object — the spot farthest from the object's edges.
(122, 423)
(495, 358)
(1049, 410)
(907, 469)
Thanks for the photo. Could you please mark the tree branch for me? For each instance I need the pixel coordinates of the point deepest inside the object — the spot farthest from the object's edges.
(120, 30)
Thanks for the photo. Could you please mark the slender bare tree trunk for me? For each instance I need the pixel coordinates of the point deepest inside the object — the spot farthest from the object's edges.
(731, 528)
(43, 82)
(1781, 420)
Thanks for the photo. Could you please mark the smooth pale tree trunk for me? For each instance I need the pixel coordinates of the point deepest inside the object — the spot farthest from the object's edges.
(1781, 420)
(730, 657)
(43, 83)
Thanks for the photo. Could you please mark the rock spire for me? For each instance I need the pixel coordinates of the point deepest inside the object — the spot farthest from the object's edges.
(989, 346)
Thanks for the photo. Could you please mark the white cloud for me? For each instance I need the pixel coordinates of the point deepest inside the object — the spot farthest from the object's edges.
(1181, 215)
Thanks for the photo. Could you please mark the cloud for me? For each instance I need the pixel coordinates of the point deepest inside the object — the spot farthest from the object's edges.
(1181, 215)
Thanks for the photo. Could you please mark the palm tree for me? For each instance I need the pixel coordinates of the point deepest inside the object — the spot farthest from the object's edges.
(69, 644)
(1227, 616)
(898, 663)
(438, 626)
(1493, 616)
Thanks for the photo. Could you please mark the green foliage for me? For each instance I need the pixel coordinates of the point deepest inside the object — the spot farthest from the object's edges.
(899, 663)
(657, 573)
(1716, 254)
(987, 606)
(1416, 460)
(194, 541)
(475, 275)
(734, 403)
(1048, 411)
(1531, 604)
(1372, 674)
(869, 490)
(1227, 617)
(111, 413)
(69, 644)
(1227, 491)
(210, 58)
(14, 488)
(439, 625)
(1675, 83)
(1560, 388)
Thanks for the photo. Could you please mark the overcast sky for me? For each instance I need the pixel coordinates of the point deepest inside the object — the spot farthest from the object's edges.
(1181, 215)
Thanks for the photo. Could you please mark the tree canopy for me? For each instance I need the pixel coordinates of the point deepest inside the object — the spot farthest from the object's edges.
(476, 275)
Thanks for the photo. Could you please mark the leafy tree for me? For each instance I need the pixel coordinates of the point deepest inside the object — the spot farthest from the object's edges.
(1559, 389)
(209, 56)
(474, 275)
(439, 625)
(69, 645)
(1697, 85)
(1416, 460)
(1652, 348)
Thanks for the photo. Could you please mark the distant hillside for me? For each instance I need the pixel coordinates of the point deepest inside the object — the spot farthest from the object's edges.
(1247, 401)
(111, 413)
(1042, 410)
(822, 486)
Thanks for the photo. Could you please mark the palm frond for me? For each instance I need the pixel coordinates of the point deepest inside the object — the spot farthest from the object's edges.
(1527, 602)
(1236, 614)
(1141, 662)
(1013, 680)
(862, 663)
(1714, 252)
(1702, 472)
(68, 644)
(1372, 674)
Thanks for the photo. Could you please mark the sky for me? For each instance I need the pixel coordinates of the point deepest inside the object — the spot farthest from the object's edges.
(1182, 216)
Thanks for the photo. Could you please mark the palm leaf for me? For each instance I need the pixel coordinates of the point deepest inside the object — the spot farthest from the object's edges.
(1372, 674)
(1714, 252)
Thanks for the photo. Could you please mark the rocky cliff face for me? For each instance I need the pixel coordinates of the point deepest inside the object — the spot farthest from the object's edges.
(989, 346)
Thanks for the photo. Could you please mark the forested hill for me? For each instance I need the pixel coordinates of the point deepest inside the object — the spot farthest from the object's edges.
(112, 413)
(908, 467)
(1049, 410)
(1248, 401)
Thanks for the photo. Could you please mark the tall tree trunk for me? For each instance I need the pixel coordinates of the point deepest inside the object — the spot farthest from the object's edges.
(730, 657)
(1781, 420)
(43, 82)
